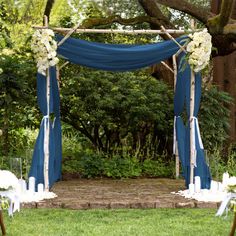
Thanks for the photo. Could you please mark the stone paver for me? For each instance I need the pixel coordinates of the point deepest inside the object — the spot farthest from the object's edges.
(127, 193)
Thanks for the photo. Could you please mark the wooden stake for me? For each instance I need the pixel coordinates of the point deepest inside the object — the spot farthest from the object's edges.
(167, 66)
(176, 144)
(170, 37)
(192, 151)
(2, 224)
(45, 21)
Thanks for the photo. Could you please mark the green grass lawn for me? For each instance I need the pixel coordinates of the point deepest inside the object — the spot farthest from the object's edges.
(151, 222)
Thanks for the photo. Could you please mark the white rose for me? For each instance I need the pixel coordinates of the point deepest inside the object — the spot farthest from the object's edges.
(231, 181)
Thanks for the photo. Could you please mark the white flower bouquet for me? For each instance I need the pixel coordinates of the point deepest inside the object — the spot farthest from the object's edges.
(231, 188)
(231, 185)
(199, 50)
(8, 180)
(44, 47)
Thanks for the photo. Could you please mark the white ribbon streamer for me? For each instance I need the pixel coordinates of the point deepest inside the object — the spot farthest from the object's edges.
(193, 149)
(224, 205)
(46, 150)
(195, 128)
(198, 133)
(174, 138)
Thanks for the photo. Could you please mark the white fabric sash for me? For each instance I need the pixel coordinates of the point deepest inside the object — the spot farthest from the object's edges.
(14, 201)
(46, 149)
(225, 203)
(195, 128)
(174, 136)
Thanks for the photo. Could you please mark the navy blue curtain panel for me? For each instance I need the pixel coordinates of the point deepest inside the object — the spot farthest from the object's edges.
(109, 57)
(182, 100)
(55, 147)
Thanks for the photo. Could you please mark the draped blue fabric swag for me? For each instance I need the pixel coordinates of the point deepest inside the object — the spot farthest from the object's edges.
(108, 57)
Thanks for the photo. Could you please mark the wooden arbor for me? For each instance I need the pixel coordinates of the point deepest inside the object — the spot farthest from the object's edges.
(168, 32)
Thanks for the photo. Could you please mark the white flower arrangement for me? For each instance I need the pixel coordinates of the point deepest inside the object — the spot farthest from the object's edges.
(44, 47)
(231, 188)
(199, 50)
(231, 184)
(8, 180)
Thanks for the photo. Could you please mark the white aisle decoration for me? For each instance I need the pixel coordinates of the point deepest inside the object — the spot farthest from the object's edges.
(217, 193)
(229, 202)
(8, 197)
(8, 180)
(44, 48)
(199, 50)
(14, 191)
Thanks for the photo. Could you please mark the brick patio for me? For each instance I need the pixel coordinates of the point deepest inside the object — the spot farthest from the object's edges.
(127, 193)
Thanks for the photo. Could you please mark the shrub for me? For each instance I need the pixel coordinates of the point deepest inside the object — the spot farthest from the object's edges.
(122, 167)
(157, 168)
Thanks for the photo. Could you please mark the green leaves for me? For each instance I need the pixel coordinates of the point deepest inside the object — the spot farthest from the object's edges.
(214, 117)
(117, 105)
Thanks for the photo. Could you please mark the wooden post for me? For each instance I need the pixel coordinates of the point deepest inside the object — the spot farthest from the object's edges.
(192, 151)
(233, 227)
(2, 223)
(176, 144)
(46, 131)
(191, 125)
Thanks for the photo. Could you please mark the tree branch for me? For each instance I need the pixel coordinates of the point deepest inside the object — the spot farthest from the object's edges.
(197, 12)
(152, 9)
(91, 22)
(216, 24)
(48, 8)
(230, 29)
(225, 12)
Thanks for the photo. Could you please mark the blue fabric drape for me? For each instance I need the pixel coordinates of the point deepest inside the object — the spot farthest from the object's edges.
(55, 151)
(182, 97)
(108, 57)
(116, 57)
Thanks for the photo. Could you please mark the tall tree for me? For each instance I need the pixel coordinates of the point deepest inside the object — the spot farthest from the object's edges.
(224, 74)
(221, 26)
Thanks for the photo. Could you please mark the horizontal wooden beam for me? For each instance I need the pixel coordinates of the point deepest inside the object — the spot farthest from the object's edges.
(66, 30)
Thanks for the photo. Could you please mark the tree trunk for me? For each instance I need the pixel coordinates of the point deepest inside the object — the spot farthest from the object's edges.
(224, 74)
(6, 133)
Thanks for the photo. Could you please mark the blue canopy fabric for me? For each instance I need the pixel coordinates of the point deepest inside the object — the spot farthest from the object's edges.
(108, 57)
(116, 57)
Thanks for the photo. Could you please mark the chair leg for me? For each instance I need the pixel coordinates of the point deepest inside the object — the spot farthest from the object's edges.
(2, 223)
